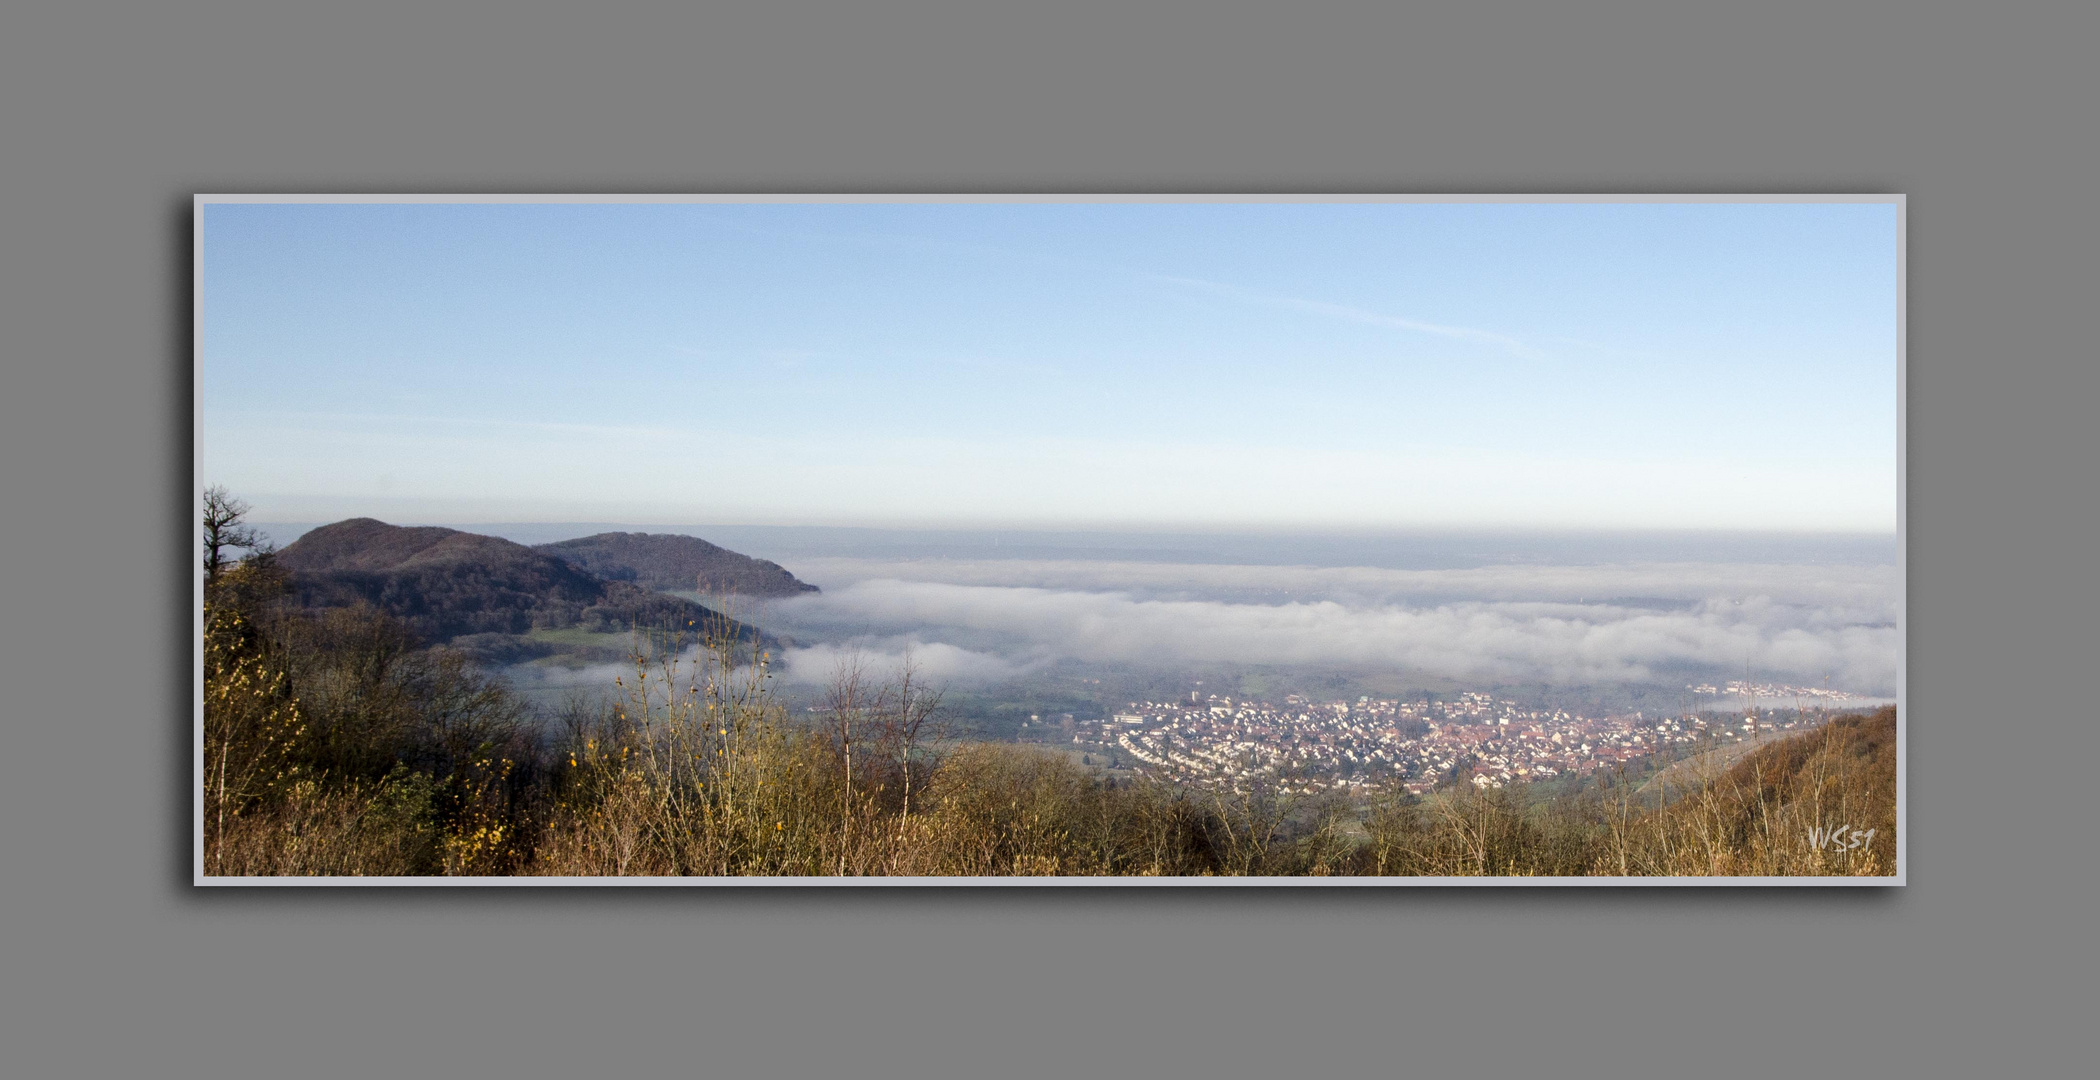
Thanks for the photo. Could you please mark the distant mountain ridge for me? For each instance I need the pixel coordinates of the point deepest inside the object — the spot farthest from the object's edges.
(672, 561)
(447, 584)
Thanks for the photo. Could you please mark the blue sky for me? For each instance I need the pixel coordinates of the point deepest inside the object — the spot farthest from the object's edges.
(1367, 365)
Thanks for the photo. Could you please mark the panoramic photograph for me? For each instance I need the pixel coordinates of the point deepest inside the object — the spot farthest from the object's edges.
(1121, 539)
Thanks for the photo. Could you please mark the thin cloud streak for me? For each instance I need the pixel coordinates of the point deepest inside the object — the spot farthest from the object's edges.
(1512, 345)
(429, 423)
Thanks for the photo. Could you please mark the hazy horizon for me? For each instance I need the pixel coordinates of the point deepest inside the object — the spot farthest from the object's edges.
(986, 608)
(1421, 547)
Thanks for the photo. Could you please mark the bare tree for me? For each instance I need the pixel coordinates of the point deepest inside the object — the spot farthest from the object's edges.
(225, 527)
(905, 719)
(847, 702)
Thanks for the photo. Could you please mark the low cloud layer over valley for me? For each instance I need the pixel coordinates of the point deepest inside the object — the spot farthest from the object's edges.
(988, 619)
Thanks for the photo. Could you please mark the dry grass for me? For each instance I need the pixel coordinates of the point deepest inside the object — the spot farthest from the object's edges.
(1753, 818)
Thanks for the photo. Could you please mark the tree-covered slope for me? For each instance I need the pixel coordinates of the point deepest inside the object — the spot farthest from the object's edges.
(673, 562)
(446, 584)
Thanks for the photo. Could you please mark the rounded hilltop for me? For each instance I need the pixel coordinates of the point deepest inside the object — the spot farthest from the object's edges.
(447, 584)
(673, 561)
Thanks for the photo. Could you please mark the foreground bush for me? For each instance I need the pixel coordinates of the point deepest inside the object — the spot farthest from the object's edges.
(335, 744)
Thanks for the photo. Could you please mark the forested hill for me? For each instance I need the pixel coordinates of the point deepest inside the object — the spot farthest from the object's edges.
(669, 561)
(447, 584)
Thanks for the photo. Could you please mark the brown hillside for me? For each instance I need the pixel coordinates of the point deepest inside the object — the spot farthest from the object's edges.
(1756, 816)
(674, 562)
(370, 544)
(447, 584)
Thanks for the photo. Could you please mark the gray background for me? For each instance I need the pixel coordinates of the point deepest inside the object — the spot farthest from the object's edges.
(112, 965)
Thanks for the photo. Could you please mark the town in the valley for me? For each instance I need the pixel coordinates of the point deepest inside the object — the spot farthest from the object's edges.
(1302, 745)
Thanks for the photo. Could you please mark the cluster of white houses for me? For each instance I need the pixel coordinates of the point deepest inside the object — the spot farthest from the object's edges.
(1308, 746)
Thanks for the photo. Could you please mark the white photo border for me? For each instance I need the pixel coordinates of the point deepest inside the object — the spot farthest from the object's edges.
(1898, 200)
